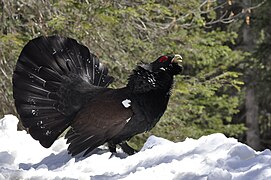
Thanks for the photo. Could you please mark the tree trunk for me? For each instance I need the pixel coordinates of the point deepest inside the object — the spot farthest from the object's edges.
(253, 134)
(252, 106)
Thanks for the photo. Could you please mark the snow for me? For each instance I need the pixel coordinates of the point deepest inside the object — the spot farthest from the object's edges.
(213, 157)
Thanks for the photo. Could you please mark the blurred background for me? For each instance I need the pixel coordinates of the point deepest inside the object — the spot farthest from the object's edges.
(225, 44)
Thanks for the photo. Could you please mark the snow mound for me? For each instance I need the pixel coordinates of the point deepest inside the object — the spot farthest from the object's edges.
(211, 157)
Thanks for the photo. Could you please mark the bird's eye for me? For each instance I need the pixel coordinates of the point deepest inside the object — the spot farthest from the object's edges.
(163, 59)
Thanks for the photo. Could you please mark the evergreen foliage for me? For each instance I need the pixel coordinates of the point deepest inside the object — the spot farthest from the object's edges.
(261, 66)
(124, 33)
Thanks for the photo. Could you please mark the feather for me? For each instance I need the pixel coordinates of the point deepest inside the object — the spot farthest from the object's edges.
(44, 89)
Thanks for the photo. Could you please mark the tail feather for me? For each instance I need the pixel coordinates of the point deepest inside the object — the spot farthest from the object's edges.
(50, 83)
(47, 136)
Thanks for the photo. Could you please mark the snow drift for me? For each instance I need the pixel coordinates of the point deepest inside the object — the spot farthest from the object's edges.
(211, 157)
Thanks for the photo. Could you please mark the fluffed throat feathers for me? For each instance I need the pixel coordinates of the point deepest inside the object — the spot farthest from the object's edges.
(143, 80)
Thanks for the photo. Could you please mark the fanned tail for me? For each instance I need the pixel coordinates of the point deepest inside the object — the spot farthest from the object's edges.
(53, 78)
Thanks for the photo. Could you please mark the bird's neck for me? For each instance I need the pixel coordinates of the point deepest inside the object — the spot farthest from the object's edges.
(143, 81)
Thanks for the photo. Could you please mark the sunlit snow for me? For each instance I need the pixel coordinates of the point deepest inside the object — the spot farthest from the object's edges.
(213, 157)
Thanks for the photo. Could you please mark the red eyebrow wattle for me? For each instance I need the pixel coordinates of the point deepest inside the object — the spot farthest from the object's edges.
(163, 58)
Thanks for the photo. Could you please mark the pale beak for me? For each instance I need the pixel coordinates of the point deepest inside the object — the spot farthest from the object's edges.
(177, 59)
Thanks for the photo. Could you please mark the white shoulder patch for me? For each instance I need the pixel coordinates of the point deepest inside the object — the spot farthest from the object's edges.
(126, 103)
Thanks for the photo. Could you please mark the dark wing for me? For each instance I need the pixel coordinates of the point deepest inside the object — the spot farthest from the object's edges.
(101, 119)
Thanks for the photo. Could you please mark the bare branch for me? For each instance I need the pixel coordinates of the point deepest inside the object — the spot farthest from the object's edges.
(230, 19)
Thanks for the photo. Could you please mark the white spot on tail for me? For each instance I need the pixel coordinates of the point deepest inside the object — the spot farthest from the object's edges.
(48, 132)
(126, 103)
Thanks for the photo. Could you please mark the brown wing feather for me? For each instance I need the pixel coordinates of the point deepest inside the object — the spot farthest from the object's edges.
(100, 120)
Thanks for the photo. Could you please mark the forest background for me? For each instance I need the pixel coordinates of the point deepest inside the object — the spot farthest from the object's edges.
(225, 44)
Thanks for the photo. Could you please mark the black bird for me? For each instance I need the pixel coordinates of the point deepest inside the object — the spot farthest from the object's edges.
(58, 84)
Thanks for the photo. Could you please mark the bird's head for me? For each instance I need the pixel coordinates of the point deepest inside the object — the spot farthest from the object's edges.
(168, 63)
(156, 75)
